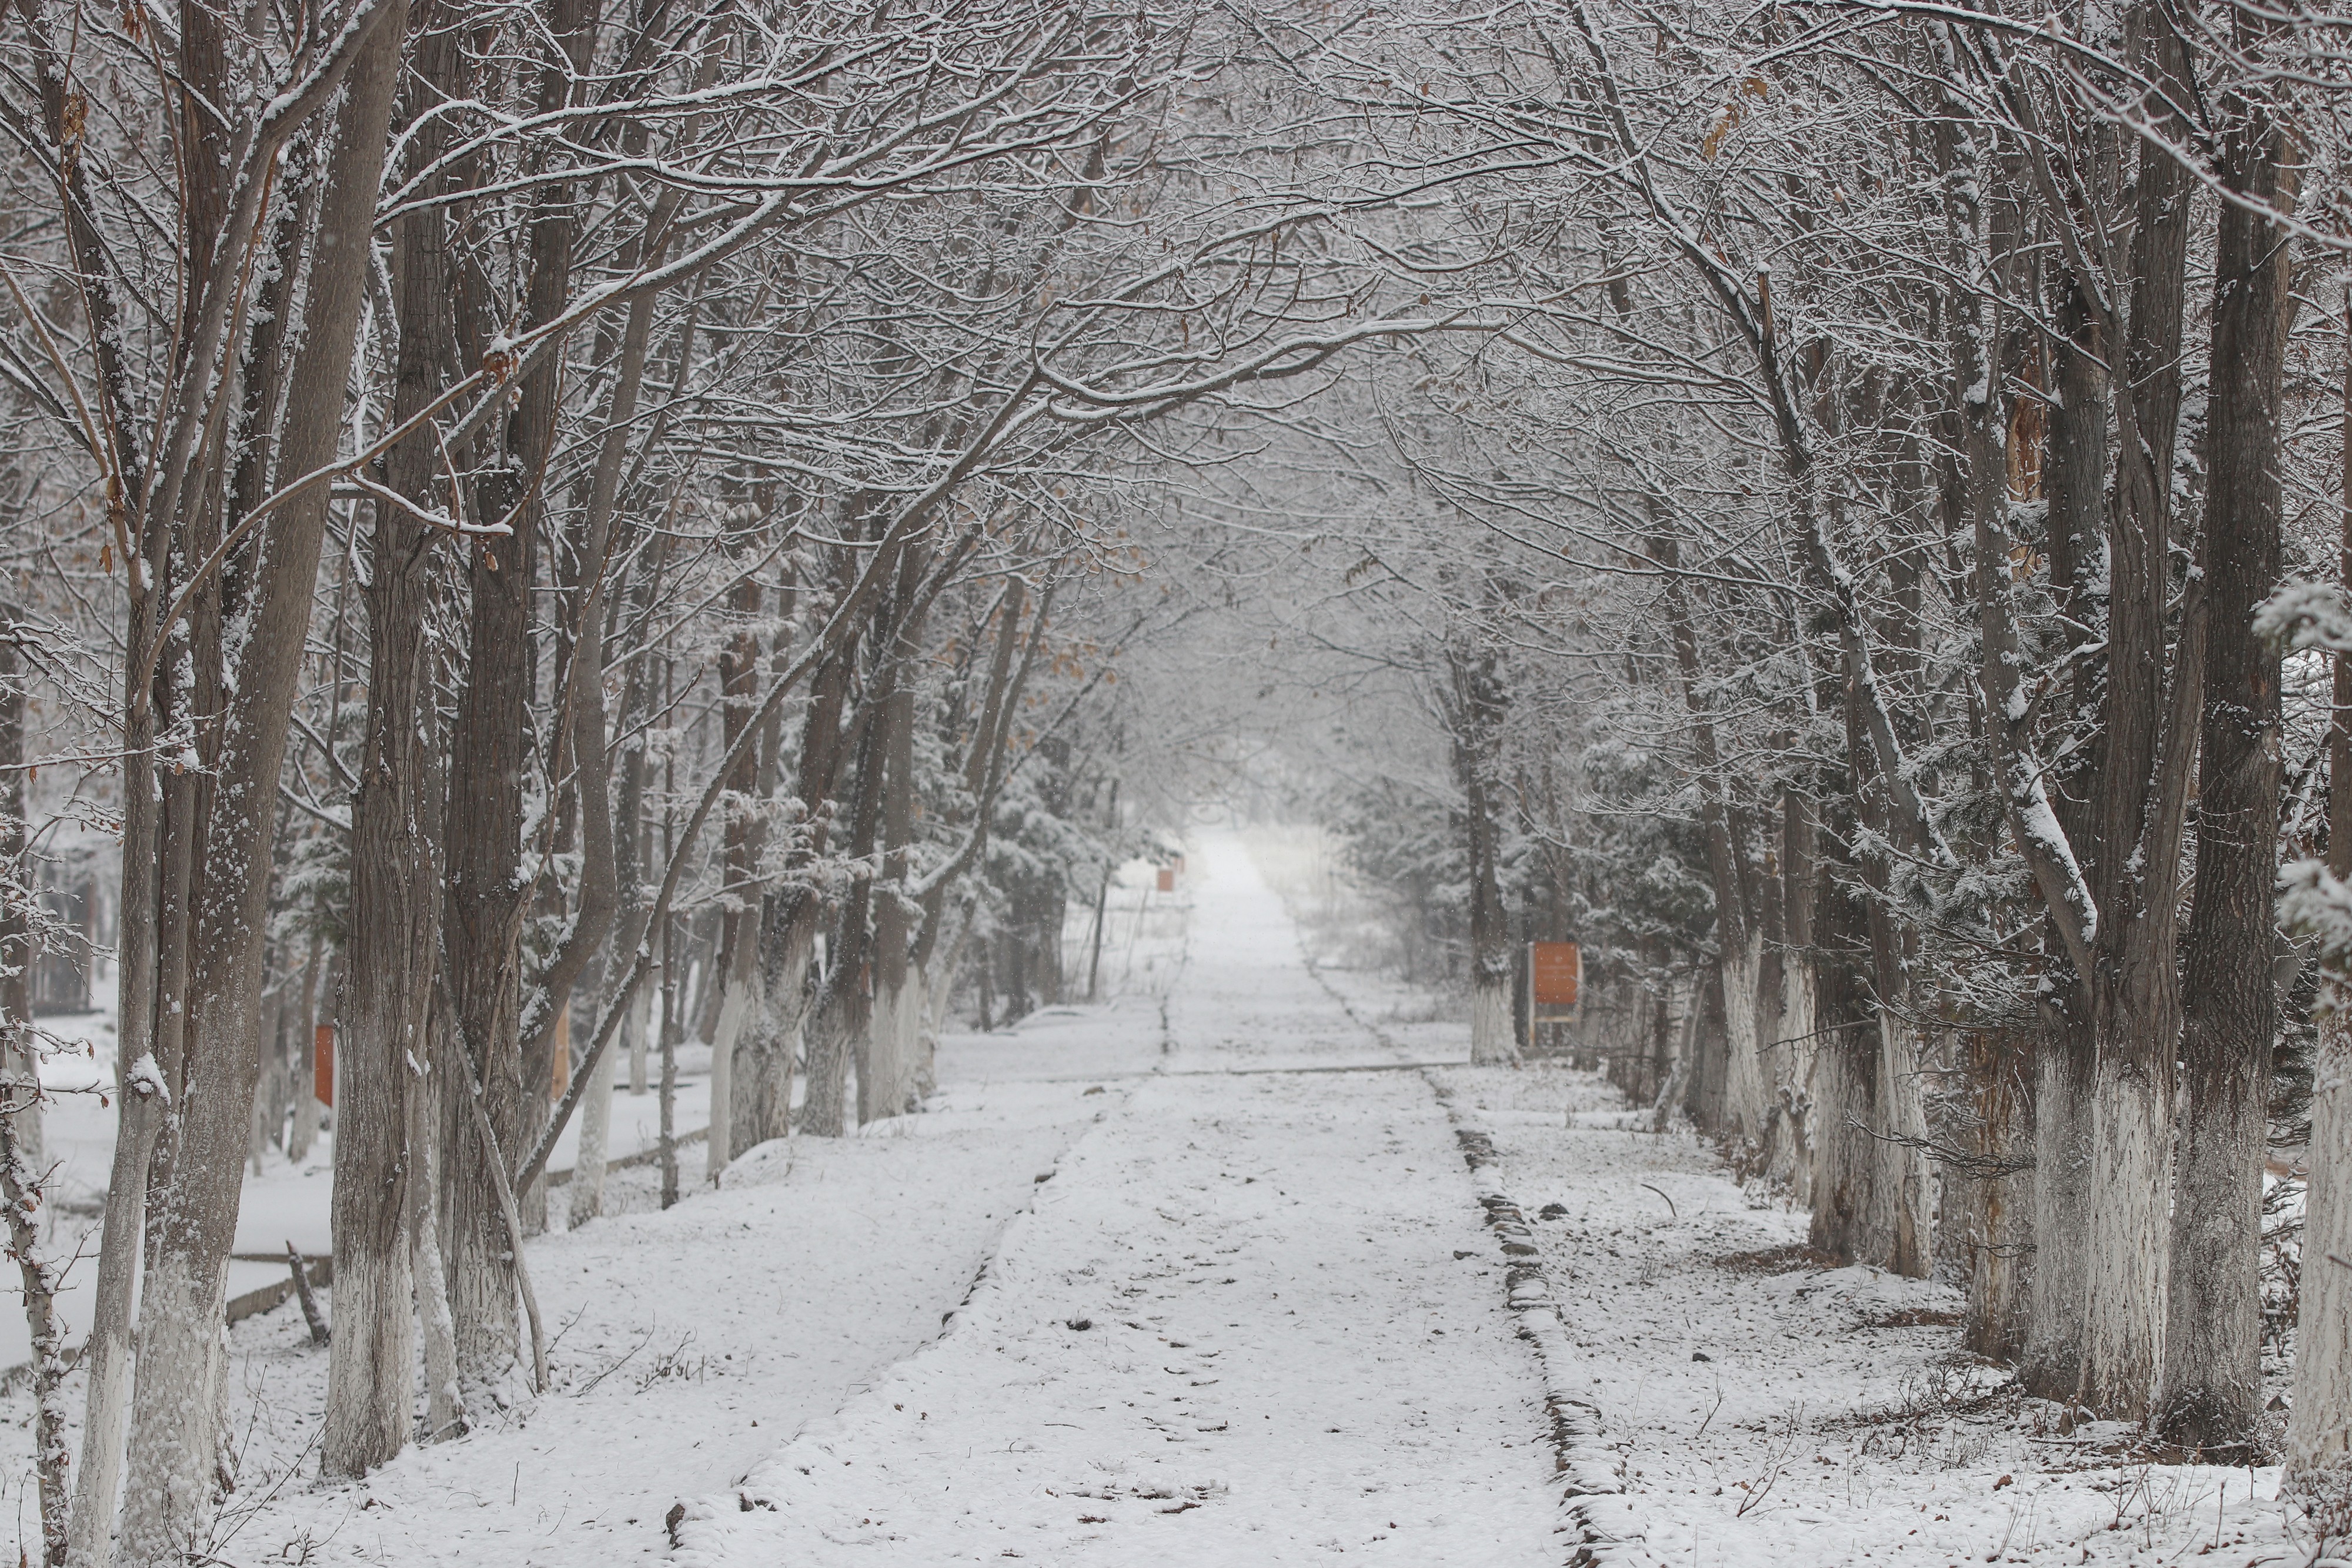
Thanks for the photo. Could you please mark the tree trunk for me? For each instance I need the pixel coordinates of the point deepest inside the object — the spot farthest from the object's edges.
(2058, 1320)
(395, 930)
(445, 1415)
(897, 1000)
(1905, 1179)
(2212, 1335)
(826, 1069)
(1476, 711)
(673, 1025)
(2134, 983)
(847, 1018)
(1798, 1025)
(395, 895)
(1999, 1235)
(319, 984)
(22, 1164)
(2319, 1430)
(267, 1046)
(1849, 1218)
(177, 1411)
(787, 944)
(587, 1186)
(483, 916)
(2065, 1047)
(1740, 965)
(739, 676)
(486, 898)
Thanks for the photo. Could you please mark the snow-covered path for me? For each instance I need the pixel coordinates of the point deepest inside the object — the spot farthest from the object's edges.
(1252, 1319)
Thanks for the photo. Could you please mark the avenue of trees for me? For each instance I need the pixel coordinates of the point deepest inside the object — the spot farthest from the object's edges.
(546, 530)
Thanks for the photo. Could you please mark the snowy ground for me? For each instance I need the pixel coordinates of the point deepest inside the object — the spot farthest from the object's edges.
(1199, 1276)
(1252, 1319)
(286, 1201)
(1764, 1410)
(1769, 1411)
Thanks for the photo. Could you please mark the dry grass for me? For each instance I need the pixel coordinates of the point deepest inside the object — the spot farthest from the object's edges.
(1915, 1318)
(1776, 1259)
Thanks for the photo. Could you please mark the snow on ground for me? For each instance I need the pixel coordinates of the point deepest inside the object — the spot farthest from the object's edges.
(1764, 1409)
(1770, 1411)
(687, 1344)
(1235, 1304)
(286, 1201)
(1254, 1319)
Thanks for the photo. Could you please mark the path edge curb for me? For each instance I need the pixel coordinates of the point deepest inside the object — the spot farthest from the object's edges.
(1589, 1469)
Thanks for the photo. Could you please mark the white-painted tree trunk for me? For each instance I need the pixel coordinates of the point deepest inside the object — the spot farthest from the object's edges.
(174, 1451)
(1747, 1093)
(107, 1354)
(1493, 1040)
(2131, 1168)
(2058, 1317)
(260, 1127)
(1792, 1066)
(22, 1168)
(793, 1006)
(936, 999)
(914, 1007)
(897, 1009)
(2319, 1431)
(742, 995)
(303, 1132)
(444, 1403)
(640, 1039)
(1906, 1181)
(373, 1296)
(595, 1130)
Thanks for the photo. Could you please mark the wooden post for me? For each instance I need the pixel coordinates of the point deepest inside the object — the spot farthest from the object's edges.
(320, 1332)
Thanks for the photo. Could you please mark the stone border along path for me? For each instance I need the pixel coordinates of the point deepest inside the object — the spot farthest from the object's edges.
(1588, 1468)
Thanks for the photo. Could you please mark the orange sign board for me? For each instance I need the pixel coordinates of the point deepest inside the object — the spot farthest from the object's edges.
(560, 1074)
(1168, 879)
(1558, 969)
(322, 1064)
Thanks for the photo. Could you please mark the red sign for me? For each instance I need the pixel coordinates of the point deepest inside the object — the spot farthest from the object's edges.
(322, 1064)
(1168, 879)
(1558, 969)
(561, 1075)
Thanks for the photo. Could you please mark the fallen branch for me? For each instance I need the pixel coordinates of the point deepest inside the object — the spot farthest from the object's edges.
(320, 1332)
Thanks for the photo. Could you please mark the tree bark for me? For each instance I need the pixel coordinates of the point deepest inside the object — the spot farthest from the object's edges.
(176, 1416)
(22, 1184)
(396, 929)
(2150, 736)
(898, 997)
(845, 1023)
(1475, 709)
(1999, 1238)
(2066, 1047)
(2319, 1430)
(487, 901)
(2212, 1335)
(738, 960)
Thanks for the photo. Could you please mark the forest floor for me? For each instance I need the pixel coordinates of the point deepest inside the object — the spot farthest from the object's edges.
(1202, 1276)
